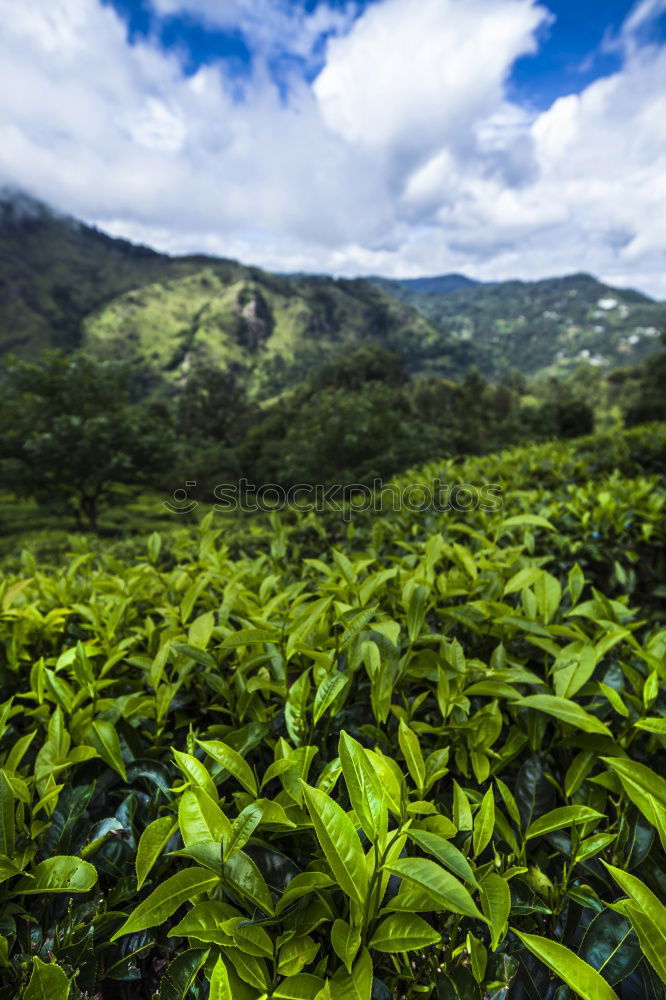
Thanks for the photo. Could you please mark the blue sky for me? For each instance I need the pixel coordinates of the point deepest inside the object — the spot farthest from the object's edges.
(501, 138)
(571, 52)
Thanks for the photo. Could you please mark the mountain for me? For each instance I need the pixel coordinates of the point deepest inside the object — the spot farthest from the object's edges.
(64, 284)
(54, 271)
(440, 284)
(538, 327)
(268, 330)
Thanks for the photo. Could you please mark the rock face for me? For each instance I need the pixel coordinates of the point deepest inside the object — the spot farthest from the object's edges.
(257, 319)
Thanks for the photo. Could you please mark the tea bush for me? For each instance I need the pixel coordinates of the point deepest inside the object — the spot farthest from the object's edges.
(416, 754)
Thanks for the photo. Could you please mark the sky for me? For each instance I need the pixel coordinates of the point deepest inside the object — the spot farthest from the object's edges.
(497, 138)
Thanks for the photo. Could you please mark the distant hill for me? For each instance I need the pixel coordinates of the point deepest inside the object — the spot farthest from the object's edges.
(538, 327)
(64, 284)
(54, 271)
(441, 284)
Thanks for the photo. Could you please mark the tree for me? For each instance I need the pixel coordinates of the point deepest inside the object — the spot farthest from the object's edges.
(211, 405)
(648, 400)
(353, 371)
(337, 436)
(73, 429)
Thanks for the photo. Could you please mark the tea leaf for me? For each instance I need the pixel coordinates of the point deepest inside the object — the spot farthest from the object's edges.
(577, 974)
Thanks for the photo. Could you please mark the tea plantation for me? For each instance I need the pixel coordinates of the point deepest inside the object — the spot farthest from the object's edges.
(398, 754)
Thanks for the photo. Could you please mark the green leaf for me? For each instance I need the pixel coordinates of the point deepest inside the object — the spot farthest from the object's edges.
(296, 709)
(206, 922)
(196, 773)
(358, 985)
(303, 986)
(509, 801)
(179, 979)
(251, 938)
(7, 828)
(153, 841)
(652, 725)
(496, 903)
(403, 932)
(525, 521)
(59, 874)
(363, 786)
(201, 630)
(346, 941)
(462, 813)
(296, 953)
(241, 873)
(356, 626)
(339, 841)
(243, 827)
(523, 578)
(614, 698)
(166, 899)
(576, 582)
(102, 735)
(648, 918)
(409, 744)
(446, 891)
(594, 845)
(232, 761)
(577, 771)
(478, 956)
(444, 851)
(416, 610)
(329, 689)
(250, 969)
(301, 628)
(565, 710)
(302, 885)
(247, 636)
(345, 567)
(638, 781)
(47, 982)
(548, 593)
(200, 818)
(610, 946)
(196, 653)
(651, 689)
(577, 974)
(572, 670)
(484, 823)
(557, 819)
(219, 983)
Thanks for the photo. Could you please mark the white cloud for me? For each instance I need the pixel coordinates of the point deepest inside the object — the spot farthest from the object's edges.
(415, 75)
(404, 157)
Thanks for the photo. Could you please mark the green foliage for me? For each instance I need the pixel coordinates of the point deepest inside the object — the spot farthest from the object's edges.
(419, 754)
(70, 433)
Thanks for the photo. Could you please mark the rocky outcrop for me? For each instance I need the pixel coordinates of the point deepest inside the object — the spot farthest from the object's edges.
(257, 319)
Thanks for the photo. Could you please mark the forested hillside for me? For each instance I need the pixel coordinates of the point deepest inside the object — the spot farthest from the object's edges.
(65, 285)
(537, 327)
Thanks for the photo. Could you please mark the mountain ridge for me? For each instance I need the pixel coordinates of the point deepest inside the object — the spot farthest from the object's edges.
(65, 284)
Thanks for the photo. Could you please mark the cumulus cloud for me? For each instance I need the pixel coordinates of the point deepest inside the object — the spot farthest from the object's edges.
(403, 156)
(417, 75)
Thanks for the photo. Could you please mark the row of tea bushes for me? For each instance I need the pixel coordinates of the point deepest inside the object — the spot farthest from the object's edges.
(423, 759)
